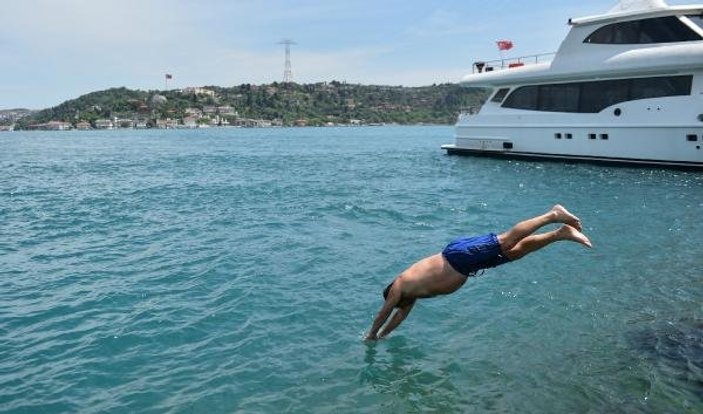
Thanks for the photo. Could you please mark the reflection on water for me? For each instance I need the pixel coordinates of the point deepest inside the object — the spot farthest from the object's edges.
(673, 352)
(403, 371)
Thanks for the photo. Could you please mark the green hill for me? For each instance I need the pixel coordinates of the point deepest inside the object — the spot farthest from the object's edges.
(290, 104)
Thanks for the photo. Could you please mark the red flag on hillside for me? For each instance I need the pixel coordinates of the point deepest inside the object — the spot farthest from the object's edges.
(505, 44)
(169, 76)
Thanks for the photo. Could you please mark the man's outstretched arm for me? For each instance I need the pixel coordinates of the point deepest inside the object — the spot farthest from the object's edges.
(391, 300)
(397, 318)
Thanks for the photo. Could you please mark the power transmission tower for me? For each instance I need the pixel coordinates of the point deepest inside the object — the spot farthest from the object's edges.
(287, 71)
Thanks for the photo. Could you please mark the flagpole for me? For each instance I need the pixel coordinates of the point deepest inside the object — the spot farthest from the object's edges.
(167, 76)
(500, 51)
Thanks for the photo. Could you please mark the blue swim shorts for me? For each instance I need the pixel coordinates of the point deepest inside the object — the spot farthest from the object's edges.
(468, 255)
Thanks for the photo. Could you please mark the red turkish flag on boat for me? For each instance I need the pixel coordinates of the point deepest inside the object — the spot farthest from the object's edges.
(505, 44)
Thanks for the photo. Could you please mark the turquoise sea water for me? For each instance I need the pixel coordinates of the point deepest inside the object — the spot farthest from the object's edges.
(236, 270)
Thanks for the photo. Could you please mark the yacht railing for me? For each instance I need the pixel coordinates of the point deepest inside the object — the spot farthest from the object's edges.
(511, 63)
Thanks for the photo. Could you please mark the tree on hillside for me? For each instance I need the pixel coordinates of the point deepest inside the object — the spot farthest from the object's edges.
(319, 103)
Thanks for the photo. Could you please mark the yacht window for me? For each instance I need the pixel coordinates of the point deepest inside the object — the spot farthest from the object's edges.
(655, 87)
(595, 96)
(500, 95)
(559, 98)
(657, 30)
(523, 98)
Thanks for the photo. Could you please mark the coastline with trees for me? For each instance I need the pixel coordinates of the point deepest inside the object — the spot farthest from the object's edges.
(276, 104)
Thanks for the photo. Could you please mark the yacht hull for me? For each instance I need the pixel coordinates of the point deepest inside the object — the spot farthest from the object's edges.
(647, 146)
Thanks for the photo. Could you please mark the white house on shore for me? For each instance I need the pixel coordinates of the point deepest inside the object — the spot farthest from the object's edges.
(52, 126)
(83, 126)
(104, 124)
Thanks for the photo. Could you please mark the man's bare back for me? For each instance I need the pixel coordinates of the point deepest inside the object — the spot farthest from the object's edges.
(429, 277)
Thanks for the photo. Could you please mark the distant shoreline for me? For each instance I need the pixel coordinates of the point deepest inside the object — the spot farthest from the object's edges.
(181, 128)
(275, 105)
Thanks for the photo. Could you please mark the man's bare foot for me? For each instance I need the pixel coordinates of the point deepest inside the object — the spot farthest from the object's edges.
(567, 232)
(563, 216)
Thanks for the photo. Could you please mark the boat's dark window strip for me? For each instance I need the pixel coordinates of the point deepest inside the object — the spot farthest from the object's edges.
(657, 30)
(593, 97)
(500, 95)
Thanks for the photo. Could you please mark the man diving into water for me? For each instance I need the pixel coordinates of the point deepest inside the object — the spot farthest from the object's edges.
(445, 272)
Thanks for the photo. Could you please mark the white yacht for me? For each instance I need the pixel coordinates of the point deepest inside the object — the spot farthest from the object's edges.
(623, 87)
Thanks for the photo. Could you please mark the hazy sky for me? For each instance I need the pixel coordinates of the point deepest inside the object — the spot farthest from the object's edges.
(54, 50)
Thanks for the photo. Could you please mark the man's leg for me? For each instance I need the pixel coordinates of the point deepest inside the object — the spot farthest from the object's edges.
(535, 242)
(558, 214)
